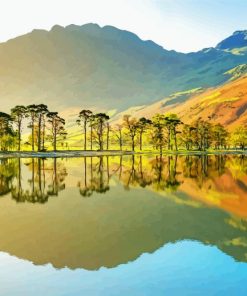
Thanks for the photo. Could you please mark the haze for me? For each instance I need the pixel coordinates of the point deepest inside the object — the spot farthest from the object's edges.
(183, 25)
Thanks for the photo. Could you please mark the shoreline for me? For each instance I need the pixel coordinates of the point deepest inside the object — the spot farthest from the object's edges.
(89, 153)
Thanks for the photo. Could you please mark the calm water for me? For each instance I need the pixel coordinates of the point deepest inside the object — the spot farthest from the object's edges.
(124, 226)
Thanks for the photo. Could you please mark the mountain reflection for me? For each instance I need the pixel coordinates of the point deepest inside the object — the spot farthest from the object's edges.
(112, 209)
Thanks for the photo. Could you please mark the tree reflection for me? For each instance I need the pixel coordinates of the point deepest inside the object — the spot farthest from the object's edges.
(8, 170)
(162, 173)
(165, 173)
(85, 189)
(171, 182)
(35, 180)
(45, 180)
(96, 176)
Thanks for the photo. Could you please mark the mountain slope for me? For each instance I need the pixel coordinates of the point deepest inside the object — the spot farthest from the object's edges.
(225, 104)
(102, 68)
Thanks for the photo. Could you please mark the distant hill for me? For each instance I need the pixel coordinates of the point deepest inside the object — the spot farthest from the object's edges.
(237, 40)
(105, 68)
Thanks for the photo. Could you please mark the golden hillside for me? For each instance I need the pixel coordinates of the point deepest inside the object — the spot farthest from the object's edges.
(226, 104)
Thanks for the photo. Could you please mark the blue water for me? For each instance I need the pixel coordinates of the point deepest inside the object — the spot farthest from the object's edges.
(184, 268)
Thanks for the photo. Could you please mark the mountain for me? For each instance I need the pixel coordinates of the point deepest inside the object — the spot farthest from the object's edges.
(104, 68)
(225, 104)
(83, 66)
(237, 40)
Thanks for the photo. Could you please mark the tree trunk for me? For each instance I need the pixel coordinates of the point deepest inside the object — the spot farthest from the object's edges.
(33, 135)
(175, 139)
(101, 137)
(141, 140)
(85, 135)
(133, 144)
(161, 149)
(120, 141)
(19, 136)
(91, 138)
(39, 133)
(169, 138)
(107, 137)
(55, 142)
(43, 136)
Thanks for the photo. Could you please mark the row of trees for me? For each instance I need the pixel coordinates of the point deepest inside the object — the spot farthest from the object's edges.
(44, 125)
(161, 132)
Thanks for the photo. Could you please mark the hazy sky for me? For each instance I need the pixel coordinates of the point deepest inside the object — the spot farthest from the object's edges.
(183, 25)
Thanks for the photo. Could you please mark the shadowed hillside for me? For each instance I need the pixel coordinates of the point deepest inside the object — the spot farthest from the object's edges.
(103, 68)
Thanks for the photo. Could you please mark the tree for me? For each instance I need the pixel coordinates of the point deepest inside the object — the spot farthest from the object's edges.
(219, 136)
(32, 113)
(239, 137)
(158, 128)
(41, 111)
(84, 118)
(203, 132)
(132, 127)
(142, 124)
(57, 127)
(119, 136)
(187, 136)
(18, 113)
(100, 120)
(6, 130)
(171, 123)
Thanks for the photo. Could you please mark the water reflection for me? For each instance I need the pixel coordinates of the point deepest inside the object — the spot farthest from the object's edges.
(8, 172)
(47, 177)
(111, 210)
(36, 186)
(96, 177)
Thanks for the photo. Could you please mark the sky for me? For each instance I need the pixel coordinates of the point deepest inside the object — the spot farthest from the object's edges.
(182, 25)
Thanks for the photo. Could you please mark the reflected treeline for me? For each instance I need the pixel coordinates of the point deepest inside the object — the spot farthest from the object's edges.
(160, 173)
(32, 180)
(35, 180)
(204, 167)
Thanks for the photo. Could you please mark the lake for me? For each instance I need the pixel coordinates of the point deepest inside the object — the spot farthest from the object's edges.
(124, 225)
